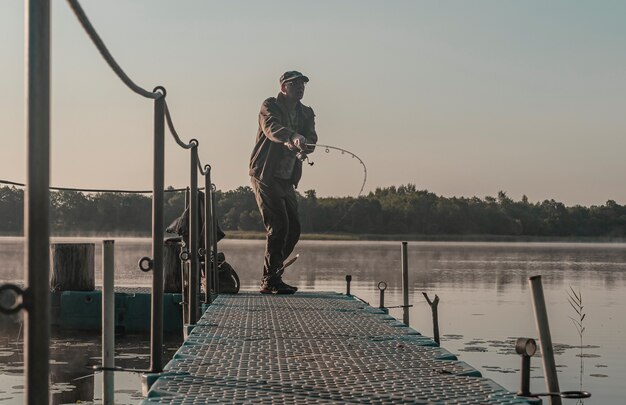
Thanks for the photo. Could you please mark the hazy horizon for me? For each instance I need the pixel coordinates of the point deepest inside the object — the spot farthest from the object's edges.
(459, 98)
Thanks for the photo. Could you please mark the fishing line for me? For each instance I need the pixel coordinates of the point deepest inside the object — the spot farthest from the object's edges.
(327, 149)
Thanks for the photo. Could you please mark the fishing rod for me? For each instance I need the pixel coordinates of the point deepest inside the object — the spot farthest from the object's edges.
(302, 155)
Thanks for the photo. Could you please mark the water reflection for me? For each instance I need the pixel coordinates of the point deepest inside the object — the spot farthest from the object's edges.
(481, 265)
(72, 357)
(484, 305)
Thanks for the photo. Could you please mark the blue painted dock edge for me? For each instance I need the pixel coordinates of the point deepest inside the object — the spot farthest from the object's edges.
(314, 347)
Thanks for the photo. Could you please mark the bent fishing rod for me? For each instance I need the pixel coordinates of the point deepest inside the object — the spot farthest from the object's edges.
(303, 156)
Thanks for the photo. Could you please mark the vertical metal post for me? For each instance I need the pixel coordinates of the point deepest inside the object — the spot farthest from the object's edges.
(184, 271)
(405, 285)
(216, 283)
(156, 332)
(381, 287)
(525, 377)
(37, 202)
(193, 238)
(108, 321)
(208, 240)
(545, 340)
(348, 281)
(525, 347)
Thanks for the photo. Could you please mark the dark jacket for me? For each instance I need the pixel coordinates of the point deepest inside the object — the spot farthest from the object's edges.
(273, 133)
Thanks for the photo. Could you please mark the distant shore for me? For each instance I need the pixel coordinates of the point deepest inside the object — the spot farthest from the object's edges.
(252, 235)
(430, 238)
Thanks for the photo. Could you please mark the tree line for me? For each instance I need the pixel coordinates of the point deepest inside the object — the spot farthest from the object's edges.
(385, 211)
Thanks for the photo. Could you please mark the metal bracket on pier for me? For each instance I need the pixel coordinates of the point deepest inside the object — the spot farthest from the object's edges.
(146, 264)
(526, 348)
(400, 306)
(382, 286)
(184, 256)
(20, 302)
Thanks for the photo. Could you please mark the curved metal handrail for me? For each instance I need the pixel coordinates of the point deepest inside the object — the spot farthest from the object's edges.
(95, 38)
(170, 125)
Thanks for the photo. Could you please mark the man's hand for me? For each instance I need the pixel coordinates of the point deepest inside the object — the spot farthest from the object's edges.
(298, 141)
(291, 147)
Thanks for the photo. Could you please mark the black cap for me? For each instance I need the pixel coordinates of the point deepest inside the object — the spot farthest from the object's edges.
(291, 76)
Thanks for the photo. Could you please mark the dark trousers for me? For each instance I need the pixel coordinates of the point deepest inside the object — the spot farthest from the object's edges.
(279, 209)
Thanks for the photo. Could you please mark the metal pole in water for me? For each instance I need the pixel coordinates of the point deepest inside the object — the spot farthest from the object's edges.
(108, 321)
(208, 272)
(156, 332)
(36, 204)
(545, 340)
(405, 285)
(193, 238)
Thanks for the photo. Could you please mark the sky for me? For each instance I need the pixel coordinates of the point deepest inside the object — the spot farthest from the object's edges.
(462, 98)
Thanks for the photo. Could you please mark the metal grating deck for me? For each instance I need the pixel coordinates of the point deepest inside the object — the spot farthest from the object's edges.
(314, 348)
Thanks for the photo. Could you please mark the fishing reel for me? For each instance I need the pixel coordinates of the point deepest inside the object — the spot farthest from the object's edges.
(303, 156)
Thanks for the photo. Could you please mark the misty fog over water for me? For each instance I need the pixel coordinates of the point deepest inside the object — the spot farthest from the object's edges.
(485, 305)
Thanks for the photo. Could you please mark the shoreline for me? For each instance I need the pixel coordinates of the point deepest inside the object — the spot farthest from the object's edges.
(256, 235)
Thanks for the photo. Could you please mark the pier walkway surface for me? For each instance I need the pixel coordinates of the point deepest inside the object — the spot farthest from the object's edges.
(314, 348)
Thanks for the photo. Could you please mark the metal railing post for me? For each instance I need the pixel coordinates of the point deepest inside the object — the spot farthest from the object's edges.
(36, 204)
(156, 332)
(108, 321)
(405, 285)
(193, 238)
(545, 340)
(208, 240)
(216, 283)
(184, 271)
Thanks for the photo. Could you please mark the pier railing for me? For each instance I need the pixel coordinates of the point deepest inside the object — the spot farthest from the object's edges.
(34, 298)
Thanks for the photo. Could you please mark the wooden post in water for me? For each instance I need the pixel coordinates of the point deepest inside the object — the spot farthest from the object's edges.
(433, 306)
(172, 280)
(72, 267)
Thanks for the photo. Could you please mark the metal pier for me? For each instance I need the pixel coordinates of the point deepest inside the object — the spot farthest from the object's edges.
(313, 348)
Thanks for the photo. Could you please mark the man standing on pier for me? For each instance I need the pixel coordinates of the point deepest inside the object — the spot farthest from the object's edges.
(286, 134)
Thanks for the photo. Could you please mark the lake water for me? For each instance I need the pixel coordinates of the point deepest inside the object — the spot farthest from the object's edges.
(485, 305)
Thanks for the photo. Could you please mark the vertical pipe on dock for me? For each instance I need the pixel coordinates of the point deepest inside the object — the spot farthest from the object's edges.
(545, 340)
(37, 202)
(108, 321)
(382, 286)
(216, 283)
(405, 285)
(193, 238)
(184, 272)
(208, 241)
(526, 348)
(156, 332)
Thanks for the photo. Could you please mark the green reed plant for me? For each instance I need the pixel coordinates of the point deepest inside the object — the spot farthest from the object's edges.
(576, 301)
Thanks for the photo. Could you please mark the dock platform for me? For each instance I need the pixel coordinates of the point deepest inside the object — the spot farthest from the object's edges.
(315, 348)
